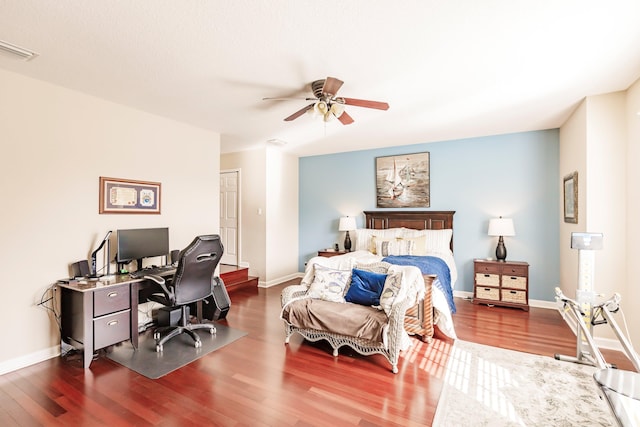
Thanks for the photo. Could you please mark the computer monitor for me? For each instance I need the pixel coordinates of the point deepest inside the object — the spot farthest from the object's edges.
(139, 243)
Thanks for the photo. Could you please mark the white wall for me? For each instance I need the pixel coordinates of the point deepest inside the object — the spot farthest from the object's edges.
(56, 143)
(282, 217)
(573, 136)
(631, 297)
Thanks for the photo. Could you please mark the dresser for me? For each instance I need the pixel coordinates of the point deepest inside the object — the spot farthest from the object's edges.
(504, 283)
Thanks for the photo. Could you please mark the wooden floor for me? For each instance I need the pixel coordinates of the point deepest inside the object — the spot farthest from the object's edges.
(260, 381)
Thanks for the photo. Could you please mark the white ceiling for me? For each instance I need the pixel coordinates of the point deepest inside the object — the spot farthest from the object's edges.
(449, 69)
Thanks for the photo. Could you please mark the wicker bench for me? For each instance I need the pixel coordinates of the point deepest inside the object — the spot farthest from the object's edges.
(419, 321)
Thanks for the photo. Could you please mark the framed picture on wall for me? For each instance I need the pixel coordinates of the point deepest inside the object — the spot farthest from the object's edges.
(571, 198)
(119, 196)
(403, 181)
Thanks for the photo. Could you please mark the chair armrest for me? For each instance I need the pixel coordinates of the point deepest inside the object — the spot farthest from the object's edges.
(291, 292)
(160, 281)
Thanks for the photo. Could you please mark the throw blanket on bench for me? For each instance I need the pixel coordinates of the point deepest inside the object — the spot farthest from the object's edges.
(341, 318)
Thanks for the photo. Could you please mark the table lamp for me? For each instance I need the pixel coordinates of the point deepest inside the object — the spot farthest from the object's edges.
(347, 224)
(501, 227)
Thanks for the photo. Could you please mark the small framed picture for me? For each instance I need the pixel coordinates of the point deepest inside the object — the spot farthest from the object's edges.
(119, 196)
(571, 198)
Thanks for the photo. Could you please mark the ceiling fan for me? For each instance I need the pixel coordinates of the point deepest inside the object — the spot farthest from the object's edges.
(328, 105)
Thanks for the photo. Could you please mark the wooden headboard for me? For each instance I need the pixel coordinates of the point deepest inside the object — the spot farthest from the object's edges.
(417, 220)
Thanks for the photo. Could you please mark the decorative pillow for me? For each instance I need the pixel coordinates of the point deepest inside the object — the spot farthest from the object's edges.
(366, 287)
(394, 247)
(390, 291)
(328, 284)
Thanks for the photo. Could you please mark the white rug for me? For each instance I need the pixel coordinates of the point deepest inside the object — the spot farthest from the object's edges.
(489, 386)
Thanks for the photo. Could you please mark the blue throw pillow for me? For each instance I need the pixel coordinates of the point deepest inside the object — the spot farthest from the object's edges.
(366, 287)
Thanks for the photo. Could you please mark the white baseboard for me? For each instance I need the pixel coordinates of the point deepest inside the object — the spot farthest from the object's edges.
(29, 359)
(279, 280)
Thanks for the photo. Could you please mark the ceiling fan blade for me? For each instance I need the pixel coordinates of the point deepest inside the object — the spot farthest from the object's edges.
(331, 86)
(345, 118)
(287, 99)
(298, 113)
(364, 103)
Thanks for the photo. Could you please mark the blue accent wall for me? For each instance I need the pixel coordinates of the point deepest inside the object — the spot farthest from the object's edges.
(514, 175)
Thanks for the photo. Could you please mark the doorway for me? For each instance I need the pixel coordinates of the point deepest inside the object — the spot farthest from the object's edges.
(230, 216)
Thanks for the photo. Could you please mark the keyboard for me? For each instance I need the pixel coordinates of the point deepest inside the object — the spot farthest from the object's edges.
(154, 271)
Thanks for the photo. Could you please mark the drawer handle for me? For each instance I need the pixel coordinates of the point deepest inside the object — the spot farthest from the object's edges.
(112, 323)
(487, 289)
(513, 292)
(487, 275)
(514, 278)
(112, 294)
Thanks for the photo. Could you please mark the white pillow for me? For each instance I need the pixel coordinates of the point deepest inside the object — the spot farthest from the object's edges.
(328, 284)
(429, 241)
(394, 247)
(390, 291)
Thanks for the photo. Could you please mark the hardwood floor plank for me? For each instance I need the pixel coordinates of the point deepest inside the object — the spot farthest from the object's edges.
(259, 381)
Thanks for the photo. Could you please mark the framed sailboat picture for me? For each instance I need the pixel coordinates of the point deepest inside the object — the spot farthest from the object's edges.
(403, 181)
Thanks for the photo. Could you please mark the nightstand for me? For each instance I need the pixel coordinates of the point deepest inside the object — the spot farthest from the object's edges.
(503, 283)
(326, 253)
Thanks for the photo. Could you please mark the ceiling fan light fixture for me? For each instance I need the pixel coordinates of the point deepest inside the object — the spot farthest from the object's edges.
(337, 109)
(321, 107)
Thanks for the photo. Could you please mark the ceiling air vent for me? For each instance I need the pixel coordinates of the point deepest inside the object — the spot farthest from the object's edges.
(16, 51)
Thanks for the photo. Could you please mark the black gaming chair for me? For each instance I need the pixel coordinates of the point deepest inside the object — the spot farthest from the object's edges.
(192, 282)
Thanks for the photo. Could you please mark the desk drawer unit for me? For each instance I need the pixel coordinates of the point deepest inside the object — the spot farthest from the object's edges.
(501, 283)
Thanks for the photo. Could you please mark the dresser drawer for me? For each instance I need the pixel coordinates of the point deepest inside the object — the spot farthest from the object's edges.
(484, 279)
(110, 300)
(515, 270)
(514, 282)
(111, 329)
(488, 293)
(518, 297)
(488, 268)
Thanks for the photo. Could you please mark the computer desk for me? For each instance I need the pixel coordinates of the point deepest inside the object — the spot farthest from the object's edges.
(97, 313)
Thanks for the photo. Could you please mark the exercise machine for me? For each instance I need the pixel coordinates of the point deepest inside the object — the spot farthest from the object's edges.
(619, 388)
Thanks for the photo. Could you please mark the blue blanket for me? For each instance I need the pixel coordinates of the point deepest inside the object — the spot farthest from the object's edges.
(429, 265)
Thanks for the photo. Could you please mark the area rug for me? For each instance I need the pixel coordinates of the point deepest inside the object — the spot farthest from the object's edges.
(489, 386)
(177, 352)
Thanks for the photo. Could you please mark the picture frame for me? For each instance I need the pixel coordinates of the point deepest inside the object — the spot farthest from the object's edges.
(571, 198)
(128, 196)
(403, 181)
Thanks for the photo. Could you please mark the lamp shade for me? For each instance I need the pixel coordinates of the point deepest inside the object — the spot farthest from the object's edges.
(347, 223)
(501, 227)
